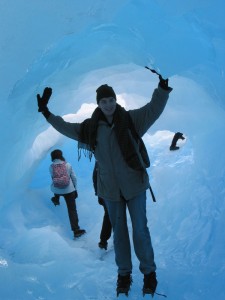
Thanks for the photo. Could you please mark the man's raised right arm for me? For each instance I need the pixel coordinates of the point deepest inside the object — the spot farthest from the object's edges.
(68, 129)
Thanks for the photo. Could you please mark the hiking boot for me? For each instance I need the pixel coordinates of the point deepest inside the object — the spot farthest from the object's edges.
(172, 148)
(79, 232)
(103, 245)
(150, 283)
(123, 284)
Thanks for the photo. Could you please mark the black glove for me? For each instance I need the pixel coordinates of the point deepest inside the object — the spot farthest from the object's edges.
(163, 83)
(43, 101)
(100, 201)
(55, 201)
(76, 194)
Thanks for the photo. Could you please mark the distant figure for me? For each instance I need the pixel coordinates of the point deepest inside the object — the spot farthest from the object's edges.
(177, 136)
(64, 184)
(106, 224)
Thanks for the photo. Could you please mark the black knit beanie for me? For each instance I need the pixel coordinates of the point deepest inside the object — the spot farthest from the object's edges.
(104, 91)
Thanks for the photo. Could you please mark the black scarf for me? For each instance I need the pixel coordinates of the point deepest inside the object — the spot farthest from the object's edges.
(122, 124)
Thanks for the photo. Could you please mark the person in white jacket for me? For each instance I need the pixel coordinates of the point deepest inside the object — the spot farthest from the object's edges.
(69, 192)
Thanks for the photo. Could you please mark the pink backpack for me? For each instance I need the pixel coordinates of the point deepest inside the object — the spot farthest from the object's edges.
(60, 177)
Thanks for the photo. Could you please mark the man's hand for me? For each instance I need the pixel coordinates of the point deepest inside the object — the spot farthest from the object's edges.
(43, 101)
(163, 83)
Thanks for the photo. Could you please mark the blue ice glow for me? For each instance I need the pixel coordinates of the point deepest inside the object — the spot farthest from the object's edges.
(74, 48)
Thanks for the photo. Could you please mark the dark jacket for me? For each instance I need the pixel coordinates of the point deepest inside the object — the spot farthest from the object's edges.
(114, 176)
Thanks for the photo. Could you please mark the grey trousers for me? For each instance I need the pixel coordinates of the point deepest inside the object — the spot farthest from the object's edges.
(141, 236)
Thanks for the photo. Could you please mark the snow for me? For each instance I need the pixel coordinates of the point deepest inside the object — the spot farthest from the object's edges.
(74, 47)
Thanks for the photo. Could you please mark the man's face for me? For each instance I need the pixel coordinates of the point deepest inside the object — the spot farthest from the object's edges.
(107, 106)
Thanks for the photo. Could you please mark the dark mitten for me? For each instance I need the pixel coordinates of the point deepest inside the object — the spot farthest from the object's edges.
(55, 200)
(76, 194)
(43, 101)
(177, 136)
(100, 201)
(163, 83)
